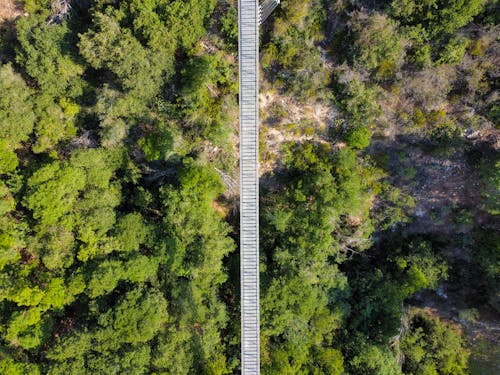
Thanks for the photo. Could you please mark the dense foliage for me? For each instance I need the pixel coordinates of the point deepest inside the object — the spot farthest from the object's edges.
(433, 347)
(103, 270)
(118, 159)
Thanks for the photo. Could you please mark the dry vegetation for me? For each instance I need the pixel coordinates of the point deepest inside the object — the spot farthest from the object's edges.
(10, 10)
(284, 120)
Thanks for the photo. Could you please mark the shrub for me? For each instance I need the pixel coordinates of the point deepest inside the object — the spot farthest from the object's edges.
(433, 347)
(445, 134)
(419, 119)
(454, 51)
(357, 136)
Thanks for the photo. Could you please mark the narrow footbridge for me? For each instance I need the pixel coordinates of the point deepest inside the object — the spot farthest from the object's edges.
(250, 16)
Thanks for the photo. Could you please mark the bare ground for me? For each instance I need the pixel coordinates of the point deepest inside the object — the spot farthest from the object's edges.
(440, 185)
(10, 10)
(447, 193)
(284, 119)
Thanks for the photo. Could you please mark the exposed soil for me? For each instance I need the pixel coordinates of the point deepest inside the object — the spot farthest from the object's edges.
(10, 10)
(441, 185)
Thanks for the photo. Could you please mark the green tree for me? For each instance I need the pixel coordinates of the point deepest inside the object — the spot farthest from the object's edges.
(86, 269)
(205, 81)
(117, 344)
(372, 360)
(291, 59)
(11, 367)
(16, 116)
(185, 21)
(55, 122)
(399, 268)
(378, 45)
(112, 47)
(109, 272)
(131, 231)
(196, 240)
(357, 136)
(139, 315)
(360, 105)
(303, 291)
(433, 347)
(48, 55)
(438, 17)
(53, 191)
(11, 232)
(454, 51)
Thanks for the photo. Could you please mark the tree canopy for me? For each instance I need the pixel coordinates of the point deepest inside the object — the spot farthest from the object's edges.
(119, 185)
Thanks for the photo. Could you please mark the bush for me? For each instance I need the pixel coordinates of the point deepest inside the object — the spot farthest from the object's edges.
(359, 100)
(437, 17)
(445, 135)
(357, 136)
(378, 46)
(229, 27)
(432, 346)
(454, 51)
(16, 116)
(419, 119)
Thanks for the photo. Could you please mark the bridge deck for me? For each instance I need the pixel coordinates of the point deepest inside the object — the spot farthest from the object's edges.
(248, 21)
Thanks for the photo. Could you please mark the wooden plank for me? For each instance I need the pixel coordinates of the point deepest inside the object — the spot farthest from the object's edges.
(248, 11)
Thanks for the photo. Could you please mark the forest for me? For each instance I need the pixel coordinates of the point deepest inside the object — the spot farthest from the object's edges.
(379, 188)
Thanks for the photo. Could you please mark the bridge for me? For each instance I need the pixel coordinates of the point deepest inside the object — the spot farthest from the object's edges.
(250, 16)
